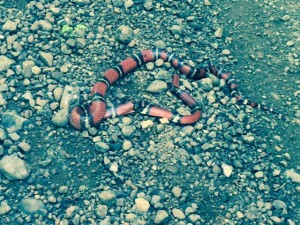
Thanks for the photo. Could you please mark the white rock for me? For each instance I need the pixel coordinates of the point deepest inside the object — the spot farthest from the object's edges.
(157, 86)
(293, 175)
(146, 124)
(14, 168)
(142, 204)
(227, 169)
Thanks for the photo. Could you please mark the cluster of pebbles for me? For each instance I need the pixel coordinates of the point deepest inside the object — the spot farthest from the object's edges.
(132, 169)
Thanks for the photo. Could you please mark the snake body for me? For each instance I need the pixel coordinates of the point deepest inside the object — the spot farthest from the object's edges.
(86, 116)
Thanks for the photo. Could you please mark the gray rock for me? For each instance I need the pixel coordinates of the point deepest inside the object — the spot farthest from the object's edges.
(176, 29)
(124, 34)
(108, 197)
(80, 42)
(60, 119)
(14, 168)
(46, 58)
(118, 3)
(3, 135)
(70, 97)
(148, 4)
(101, 146)
(45, 25)
(82, 2)
(13, 122)
(128, 131)
(293, 175)
(101, 211)
(32, 206)
(4, 208)
(278, 204)
(9, 26)
(161, 217)
(157, 86)
(5, 63)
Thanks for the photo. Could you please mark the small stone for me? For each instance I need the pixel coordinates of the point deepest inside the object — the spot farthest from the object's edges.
(193, 218)
(14, 168)
(101, 211)
(206, 84)
(127, 145)
(45, 25)
(114, 167)
(32, 206)
(60, 119)
(176, 29)
(9, 26)
(24, 146)
(142, 205)
(5, 63)
(128, 3)
(63, 189)
(101, 146)
(259, 174)
(248, 138)
(108, 197)
(276, 219)
(176, 191)
(177, 213)
(157, 86)
(161, 217)
(290, 43)
(130, 217)
(207, 3)
(128, 131)
(226, 52)
(70, 97)
(293, 175)
(4, 208)
(70, 211)
(80, 42)
(286, 17)
(219, 33)
(278, 204)
(46, 58)
(160, 44)
(147, 124)
(227, 169)
(124, 34)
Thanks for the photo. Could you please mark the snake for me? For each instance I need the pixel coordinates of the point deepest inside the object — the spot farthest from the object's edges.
(90, 115)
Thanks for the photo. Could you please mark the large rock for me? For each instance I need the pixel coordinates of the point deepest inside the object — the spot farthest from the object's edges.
(14, 168)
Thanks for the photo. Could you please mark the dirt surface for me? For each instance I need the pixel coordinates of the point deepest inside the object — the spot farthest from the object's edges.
(263, 43)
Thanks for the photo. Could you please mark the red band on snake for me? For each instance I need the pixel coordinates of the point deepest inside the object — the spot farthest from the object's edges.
(86, 116)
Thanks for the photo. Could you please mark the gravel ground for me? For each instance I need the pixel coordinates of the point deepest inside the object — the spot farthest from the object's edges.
(235, 166)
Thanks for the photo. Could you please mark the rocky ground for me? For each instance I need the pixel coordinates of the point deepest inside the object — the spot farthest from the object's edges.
(235, 166)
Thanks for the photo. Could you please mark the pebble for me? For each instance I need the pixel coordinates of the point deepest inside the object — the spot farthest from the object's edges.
(108, 197)
(101, 211)
(147, 124)
(219, 33)
(278, 204)
(142, 205)
(4, 208)
(160, 44)
(61, 118)
(177, 213)
(128, 131)
(14, 168)
(101, 146)
(128, 3)
(124, 34)
(127, 145)
(176, 191)
(227, 169)
(225, 52)
(32, 206)
(5, 63)
(293, 175)
(206, 84)
(9, 26)
(70, 97)
(46, 58)
(276, 219)
(70, 211)
(157, 86)
(24, 146)
(248, 138)
(161, 217)
(193, 218)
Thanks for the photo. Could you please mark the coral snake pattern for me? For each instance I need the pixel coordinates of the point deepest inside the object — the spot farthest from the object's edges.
(90, 115)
